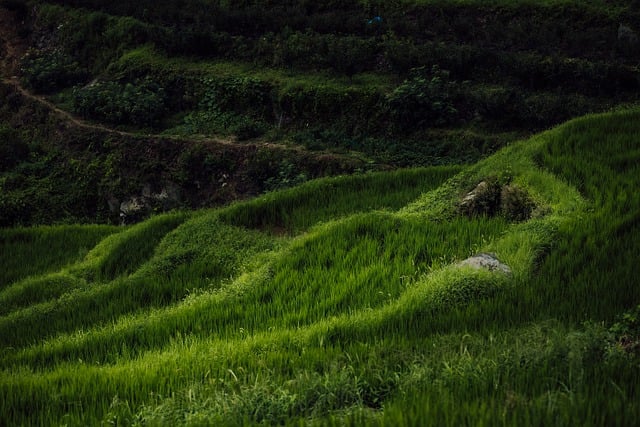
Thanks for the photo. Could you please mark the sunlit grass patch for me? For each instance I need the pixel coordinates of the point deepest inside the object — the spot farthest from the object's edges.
(123, 252)
(37, 289)
(296, 209)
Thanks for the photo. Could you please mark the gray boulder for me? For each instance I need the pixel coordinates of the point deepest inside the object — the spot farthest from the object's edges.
(486, 261)
(133, 210)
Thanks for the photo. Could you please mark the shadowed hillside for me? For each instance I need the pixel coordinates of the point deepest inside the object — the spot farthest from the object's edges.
(115, 105)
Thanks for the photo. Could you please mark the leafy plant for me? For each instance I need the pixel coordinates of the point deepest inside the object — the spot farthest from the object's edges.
(287, 177)
(424, 99)
(50, 71)
(139, 103)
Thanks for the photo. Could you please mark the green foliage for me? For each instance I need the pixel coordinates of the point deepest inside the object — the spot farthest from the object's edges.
(522, 73)
(345, 311)
(139, 103)
(243, 95)
(586, 153)
(234, 105)
(515, 203)
(424, 99)
(40, 250)
(112, 257)
(625, 335)
(287, 177)
(320, 200)
(219, 322)
(52, 71)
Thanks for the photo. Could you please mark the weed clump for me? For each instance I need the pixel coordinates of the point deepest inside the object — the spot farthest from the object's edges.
(491, 198)
(626, 333)
(515, 203)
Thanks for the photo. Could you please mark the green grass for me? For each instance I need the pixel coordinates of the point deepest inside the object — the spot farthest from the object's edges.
(33, 251)
(358, 314)
(146, 58)
(298, 208)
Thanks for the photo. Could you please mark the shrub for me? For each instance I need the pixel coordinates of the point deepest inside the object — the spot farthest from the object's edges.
(288, 176)
(515, 203)
(248, 129)
(48, 72)
(424, 99)
(245, 95)
(138, 103)
(625, 333)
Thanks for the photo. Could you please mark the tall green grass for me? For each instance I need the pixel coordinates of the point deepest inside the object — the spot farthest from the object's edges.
(296, 209)
(361, 316)
(202, 253)
(31, 251)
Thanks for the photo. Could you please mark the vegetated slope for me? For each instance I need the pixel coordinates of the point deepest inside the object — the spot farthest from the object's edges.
(363, 318)
(54, 170)
(214, 91)
(336, 74)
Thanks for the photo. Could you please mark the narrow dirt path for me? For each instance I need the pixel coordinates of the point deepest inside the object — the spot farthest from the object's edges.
(13, 47)
(15, 82)
(78, 122)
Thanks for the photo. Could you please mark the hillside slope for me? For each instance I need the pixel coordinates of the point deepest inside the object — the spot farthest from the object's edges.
(109, 103)
(341, 301)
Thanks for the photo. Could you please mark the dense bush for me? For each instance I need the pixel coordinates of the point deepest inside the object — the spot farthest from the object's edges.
(424, 100)
(515, 203)
(232, 105)
(47, 72)
(139, 103)
(245, 95)
(287, 177)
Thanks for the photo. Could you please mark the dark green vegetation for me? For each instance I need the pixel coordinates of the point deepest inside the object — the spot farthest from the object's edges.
(356, 85)
(219, 318)
(309, 68)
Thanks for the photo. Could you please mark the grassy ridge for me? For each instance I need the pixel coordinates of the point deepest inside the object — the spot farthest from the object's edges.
(297, 209)
(362, 319)
(45, 249)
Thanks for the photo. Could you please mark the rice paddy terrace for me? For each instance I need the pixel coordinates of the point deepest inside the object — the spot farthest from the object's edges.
(334, 165)
(341, 301)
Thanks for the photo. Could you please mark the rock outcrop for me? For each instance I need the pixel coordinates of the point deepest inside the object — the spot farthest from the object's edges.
(138, 207)
(490, 198)
(486, 261)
